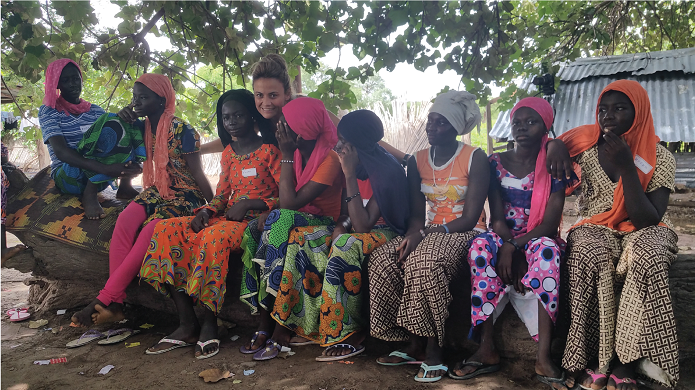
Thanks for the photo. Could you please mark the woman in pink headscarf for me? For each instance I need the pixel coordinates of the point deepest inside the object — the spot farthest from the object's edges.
(175, 185)
(311, 193)
(519, 259)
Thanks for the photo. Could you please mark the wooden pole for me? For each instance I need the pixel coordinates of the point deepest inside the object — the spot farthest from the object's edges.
(298, 81)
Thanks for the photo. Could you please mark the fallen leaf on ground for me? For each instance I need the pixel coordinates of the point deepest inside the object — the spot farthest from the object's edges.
(37, 324)
(54, 330)
(236, 381)
(215, 375)
(131, 345)
(146, 326)
(105, 370)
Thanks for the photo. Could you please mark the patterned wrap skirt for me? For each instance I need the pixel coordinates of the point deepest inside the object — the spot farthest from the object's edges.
(619, 300)
(322, 294)
(264, 254)
(415, 300)
(193, 263)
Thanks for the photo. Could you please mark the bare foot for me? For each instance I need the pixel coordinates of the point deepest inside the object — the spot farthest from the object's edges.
(546, 368)
(83, 317)
(480, 356)
(185, 333)
(10, 252)
(109, 314)
(415, 349)
(597, 382)
(207, 332)
(92, 207)
(355, 340)
(126, 190)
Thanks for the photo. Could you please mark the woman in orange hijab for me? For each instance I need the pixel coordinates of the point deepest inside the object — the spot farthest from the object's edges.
(621, 249)
(174, 185)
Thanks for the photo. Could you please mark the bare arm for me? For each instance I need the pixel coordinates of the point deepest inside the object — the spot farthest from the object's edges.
(212, 147)
(418, 204)
(196, 168)
(295, 200)
(70, 156)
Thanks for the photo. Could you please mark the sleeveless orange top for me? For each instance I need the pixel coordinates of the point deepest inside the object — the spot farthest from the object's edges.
(445, 187)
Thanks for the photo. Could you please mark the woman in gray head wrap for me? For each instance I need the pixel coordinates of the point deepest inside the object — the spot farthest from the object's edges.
(409, 276)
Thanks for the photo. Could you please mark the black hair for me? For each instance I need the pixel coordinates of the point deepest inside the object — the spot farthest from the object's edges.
(245, 97)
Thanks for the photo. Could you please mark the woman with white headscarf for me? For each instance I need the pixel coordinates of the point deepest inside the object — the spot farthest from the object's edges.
(409, 276)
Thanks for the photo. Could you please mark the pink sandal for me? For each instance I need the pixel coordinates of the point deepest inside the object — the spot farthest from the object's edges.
(594, 377)
(19, 314)
(622, 380)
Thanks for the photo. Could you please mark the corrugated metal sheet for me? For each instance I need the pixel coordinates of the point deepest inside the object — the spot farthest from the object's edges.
(635, 64)
(672, 97)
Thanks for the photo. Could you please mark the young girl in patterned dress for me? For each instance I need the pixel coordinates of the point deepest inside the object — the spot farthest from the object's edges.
(174, 182)
(521, 254)
(188, 256)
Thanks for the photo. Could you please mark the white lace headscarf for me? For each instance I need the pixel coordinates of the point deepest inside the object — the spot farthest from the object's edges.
(459, 108)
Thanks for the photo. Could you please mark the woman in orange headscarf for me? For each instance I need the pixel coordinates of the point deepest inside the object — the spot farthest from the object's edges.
(620, 250)
(174, 182)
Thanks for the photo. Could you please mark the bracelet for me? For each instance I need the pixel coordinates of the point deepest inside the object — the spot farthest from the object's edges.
(287, 161)
(349, 198)
(423, 234)
(446, 228)
(513, 242)
(404, 162)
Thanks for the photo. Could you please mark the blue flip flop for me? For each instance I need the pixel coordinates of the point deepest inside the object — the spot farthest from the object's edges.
(429, 368)
(406, 359)
(243, 349)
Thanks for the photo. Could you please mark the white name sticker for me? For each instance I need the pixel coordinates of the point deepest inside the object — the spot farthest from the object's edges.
(248, 172)
(642, 165)
(510, 182)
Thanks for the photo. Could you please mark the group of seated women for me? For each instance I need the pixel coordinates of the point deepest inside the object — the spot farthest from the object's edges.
(338, 241)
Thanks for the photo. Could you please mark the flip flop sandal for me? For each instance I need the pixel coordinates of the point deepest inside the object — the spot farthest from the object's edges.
(202, 346)
(427, 369)
(243, 348)
(118, 335)
(19, 314)
(354, 352)
(551, 381)
(621, 380)
(271, 351)
(300, 343)
(399, 354)
(594, 378)
(177, 344)
(480, 370)
(86, 338)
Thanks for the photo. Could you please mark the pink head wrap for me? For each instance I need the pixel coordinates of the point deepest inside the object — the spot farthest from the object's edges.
(308, 118)
(51, 98)
(542, 181)
(154, 171)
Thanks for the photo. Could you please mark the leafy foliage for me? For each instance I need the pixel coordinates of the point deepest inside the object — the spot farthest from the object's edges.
(484, 42)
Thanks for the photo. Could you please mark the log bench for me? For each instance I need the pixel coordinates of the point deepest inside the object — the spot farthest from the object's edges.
(65, 277)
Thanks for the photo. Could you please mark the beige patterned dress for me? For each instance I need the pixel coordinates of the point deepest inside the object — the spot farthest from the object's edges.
(618, 288)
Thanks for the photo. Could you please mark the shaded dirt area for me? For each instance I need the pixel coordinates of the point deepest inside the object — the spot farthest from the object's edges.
(178, 369)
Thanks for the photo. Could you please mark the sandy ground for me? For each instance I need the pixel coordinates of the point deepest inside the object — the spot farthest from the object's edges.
(20, 346)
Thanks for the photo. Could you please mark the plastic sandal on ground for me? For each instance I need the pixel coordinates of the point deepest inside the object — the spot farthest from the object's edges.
(399, 354)
(562, 380)
(594, 377)
(243, 349)
(427, 369)
(86, 338)
(618, 381)
(18, 314)
(117, 335)
(271, 351)
(202, 346)
(480, 370)
(354, 352)
(177, 344)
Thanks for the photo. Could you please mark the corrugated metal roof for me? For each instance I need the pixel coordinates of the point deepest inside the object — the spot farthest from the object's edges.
(672, 97)
(635, 64)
